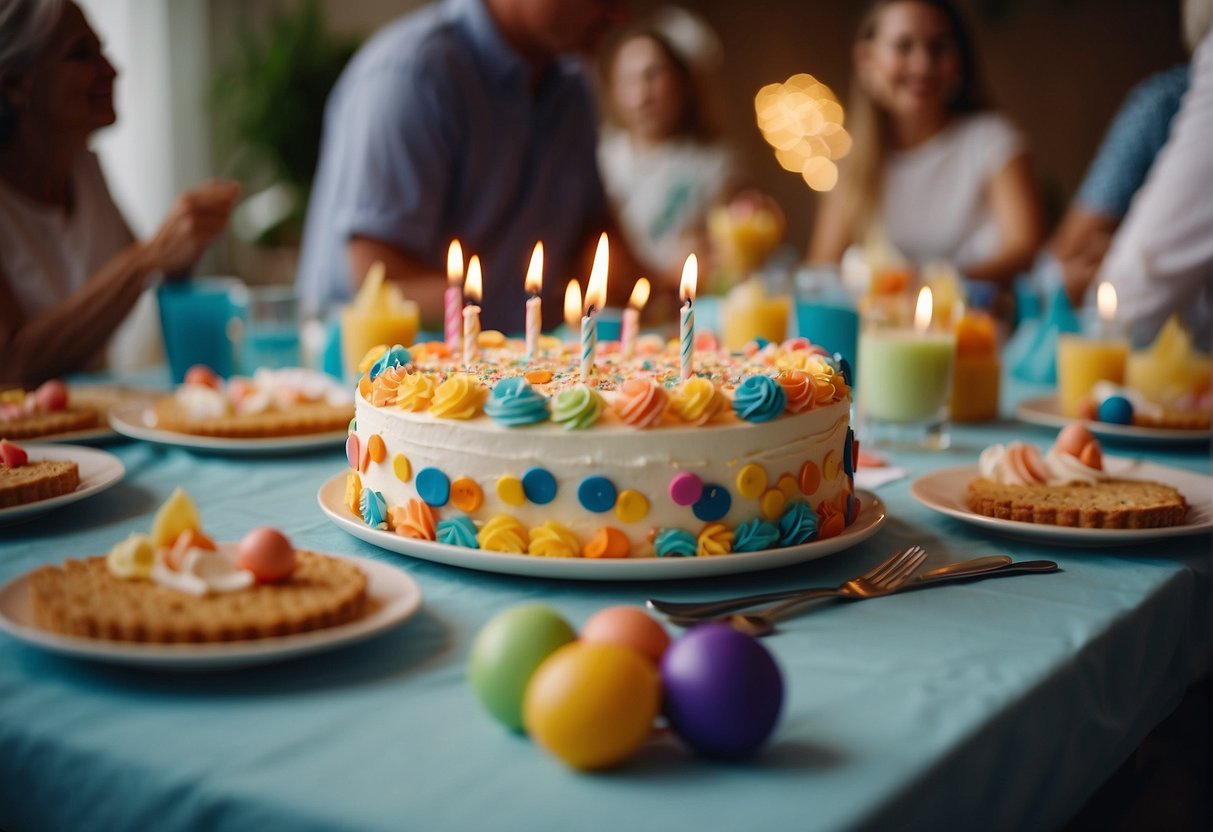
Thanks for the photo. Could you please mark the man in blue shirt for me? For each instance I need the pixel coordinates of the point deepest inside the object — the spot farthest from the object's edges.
(469, 119)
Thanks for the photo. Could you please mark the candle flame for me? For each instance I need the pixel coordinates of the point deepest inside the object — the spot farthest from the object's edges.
(922, 311)
(471, 286)
(640, 294)
(1105, 301)
(572, 304)
(690, 277)
(454, 262)
(595, 292)
(534, 272)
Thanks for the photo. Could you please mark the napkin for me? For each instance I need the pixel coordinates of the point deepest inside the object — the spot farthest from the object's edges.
(872, 478)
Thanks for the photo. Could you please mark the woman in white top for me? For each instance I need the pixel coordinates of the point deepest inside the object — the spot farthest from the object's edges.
(938, 173)
(70, 270)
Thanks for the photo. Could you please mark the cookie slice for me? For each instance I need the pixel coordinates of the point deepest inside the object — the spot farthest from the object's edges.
(37, 480)
(1111, 504)
(74, 417)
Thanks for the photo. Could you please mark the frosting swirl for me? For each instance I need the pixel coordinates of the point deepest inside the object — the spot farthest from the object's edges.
(797, 525)
(458, 531)
(640, 402)
(386, 386)
(415, 520)
(577, 408)
(675, 543)
(714, 539)
(1066, 468)
(459, 397)
(372, 508)
(798, 387)
(552, 540)
(755, 536)
(396, 356)
(514, 402)
(132, 558)
(759, 399)
(697, 401)
(503, 534)
(415, 391)
(1015, 464)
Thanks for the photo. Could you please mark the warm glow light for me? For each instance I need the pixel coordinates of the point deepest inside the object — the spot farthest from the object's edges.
(454, 262)
(640, 294)
(471, 286)
(1105, 301)
(690, 276)
(534, 272)
(572, 304)
(595, 292)
(922, 312)
(801, 120)
(820, 173)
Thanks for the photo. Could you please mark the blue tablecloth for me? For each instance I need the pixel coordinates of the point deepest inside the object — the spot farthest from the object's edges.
(995, 704)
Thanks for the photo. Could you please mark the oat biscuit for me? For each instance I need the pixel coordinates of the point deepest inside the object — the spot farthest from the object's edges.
(74, 417)
(304, 418)
(1111, 504)
(37, 480)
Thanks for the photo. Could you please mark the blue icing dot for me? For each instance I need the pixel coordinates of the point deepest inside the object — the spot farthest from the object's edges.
(843, 366)
(674, 543)
(1116, 410)
(852, 509)
(596, 494)
(373, 509)
(848, 454)
(397, 356)
(433, 486)
(755, 536)
(514, 402)
(713, 504)
(458, 531)
(539, 486)
(759, 399)
(797, 525)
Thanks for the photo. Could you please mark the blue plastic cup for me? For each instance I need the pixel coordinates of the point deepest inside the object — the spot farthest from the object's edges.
(199, 319)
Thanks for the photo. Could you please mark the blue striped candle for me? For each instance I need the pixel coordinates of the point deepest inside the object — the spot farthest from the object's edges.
(589, 346)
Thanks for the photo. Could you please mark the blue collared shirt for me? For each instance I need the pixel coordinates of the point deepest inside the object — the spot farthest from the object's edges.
(434, 132)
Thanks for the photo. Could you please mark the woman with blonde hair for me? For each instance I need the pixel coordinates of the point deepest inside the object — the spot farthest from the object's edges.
(933, 169)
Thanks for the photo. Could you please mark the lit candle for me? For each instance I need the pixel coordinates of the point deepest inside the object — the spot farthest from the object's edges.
(471, 313)
(1083, 360)
(534, 305)
(572, 305)
(454, 295)
(630, 327)
(686, 329)
(595, 297)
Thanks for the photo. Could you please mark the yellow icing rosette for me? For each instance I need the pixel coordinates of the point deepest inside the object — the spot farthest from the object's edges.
(552, 540)
(503, 534)
(372, 355)
(697, 401)
(714, 539)
(416, 391)
(459, 397)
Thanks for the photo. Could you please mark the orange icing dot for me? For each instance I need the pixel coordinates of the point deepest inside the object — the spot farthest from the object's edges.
(830, 521)
(466, 494)
(608, 542)
(772, 504)
(353, 492)
(376, 449)
(810, 478)
(798, 386)
(787, 484)
(402, 467)
(365, 387)
(751, 481)
(415, 520)
(640, 402)
(538, 376)
(631, 506)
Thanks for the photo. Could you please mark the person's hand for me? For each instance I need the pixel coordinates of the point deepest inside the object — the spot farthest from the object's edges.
(1082, 264)
(195, 219)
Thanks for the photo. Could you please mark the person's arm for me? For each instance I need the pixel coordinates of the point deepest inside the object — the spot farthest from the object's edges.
(1079, 245)
(65, 338)
(1015, 203)
(831, 236)
(418, 281)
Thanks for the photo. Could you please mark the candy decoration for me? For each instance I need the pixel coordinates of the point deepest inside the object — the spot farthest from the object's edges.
(597, 494)
(414, 520)
(755, 536)
(375, 448)
(675, 543)
(797, 525)
(510, 490)
(830, 522)
(373, 509)
(402, 468)
(810, 478)
(631, 506)
(788, 485)
(353, 492)
(353, 450)
(714, 539)
(552, 540)
(751, 481)
(466, 494)
(458, 531)
(848, 450)
(433, 486)
(759, 399)
(685, 488)
(772, 503)
(504, 534)
(627, 627)
(539, 486)
(1116, 410)
(713, 504)
(608, 542)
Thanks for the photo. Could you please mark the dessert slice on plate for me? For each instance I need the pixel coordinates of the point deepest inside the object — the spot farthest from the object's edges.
(43, 412)
(24, 480)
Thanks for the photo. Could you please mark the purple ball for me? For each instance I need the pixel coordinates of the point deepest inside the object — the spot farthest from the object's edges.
(723, 691)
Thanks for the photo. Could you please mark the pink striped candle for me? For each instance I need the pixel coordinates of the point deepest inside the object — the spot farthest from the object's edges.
(453, 299)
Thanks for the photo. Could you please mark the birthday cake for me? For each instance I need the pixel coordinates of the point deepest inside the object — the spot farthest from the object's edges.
(751, 452)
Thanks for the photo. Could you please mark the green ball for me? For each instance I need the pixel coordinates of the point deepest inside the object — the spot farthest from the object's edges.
(507, 650)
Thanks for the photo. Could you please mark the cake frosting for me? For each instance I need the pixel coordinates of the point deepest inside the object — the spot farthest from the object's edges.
(1074, 458)
(754, 451)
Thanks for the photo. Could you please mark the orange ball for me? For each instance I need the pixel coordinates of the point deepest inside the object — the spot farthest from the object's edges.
(627, 627)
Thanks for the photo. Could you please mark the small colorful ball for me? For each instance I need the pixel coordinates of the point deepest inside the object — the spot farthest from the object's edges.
(592, 705)
(1116, 410)
(627, 627)
(506, 652)
(268, 554)
(723, 691)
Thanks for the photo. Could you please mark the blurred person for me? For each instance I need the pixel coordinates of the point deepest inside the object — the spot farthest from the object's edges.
(938, 172)
(468, 119)
(70, 269)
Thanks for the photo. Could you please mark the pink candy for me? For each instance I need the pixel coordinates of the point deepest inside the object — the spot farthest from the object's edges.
(51, 396)
(686, 489)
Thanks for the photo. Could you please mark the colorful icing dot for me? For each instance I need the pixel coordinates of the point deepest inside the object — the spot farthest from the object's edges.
(810, 478)
(402, 467)
(848, 451)
(353, 425)
(433, 486)
(607, 542)
(466, 494)
(631, 506)
(787, 484)
(509, 489)
(353, 450)
(772, 503)
(376, 449)
(713, 504)
(685, 489)
(596, 494)
(751, 481)
(539, 486)
(830, 467)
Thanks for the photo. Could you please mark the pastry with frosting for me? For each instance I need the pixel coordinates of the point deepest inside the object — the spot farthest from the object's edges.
(1068, 486)
(24, 480)
(48, 410)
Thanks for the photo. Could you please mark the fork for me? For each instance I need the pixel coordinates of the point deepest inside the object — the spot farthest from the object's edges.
(857, 587)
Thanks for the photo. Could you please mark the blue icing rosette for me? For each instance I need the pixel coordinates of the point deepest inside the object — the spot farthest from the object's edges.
(797, 524)
(759, 399)
(674, 543)
(458, 531)
(397, 356)
(373, 509)
(514, 402)
(755, 535)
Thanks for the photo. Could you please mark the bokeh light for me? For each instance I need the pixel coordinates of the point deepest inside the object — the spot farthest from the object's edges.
(802, 120)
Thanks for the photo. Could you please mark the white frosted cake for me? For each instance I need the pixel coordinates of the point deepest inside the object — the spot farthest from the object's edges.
(751, 453)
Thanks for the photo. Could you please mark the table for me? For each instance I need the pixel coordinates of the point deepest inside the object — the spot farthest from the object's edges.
(995, 704)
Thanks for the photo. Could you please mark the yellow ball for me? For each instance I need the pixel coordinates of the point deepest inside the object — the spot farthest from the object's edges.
(592, 705)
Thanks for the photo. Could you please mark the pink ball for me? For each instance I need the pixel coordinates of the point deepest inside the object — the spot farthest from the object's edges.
(267, 554)
(204, 375)
(52, 395)
(627, 627)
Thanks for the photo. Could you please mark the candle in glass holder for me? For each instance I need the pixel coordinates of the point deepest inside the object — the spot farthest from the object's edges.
(686, 318)
(595, 297)
(534, 304)
(1098, 355)
(453, 298)
(630, 328)
(471, 312)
